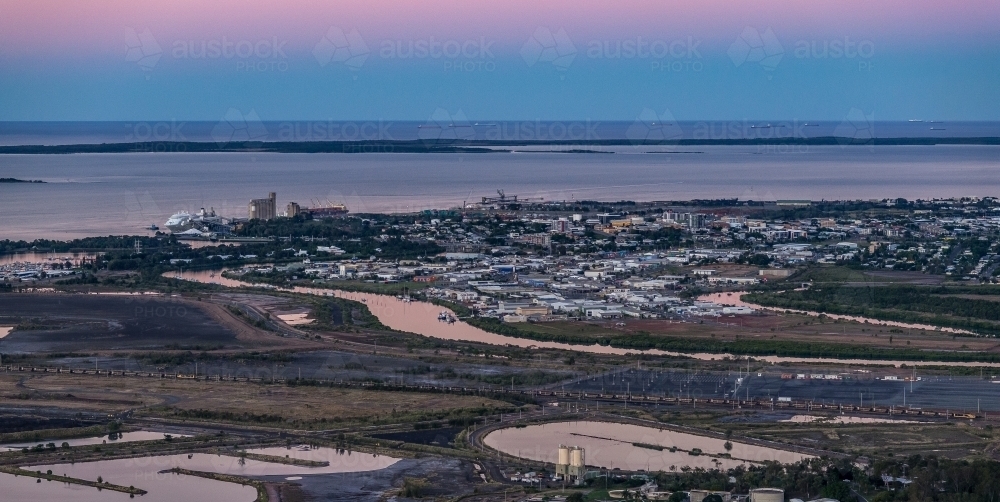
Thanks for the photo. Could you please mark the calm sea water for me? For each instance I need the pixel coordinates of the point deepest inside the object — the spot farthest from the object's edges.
(104, 194)
(646, 126)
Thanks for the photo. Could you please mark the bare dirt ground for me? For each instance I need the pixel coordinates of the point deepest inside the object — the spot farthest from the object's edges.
(58, 322)
(117, 394)
(783, 327)
(253, 337)
(954, 440)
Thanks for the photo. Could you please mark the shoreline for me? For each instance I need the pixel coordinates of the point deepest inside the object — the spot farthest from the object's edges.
(464, 146)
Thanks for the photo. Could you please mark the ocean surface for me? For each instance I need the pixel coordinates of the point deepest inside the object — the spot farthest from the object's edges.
(649, 125)
(114, 194)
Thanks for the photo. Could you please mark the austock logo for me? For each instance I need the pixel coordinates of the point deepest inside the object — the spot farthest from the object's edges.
(143, 50)
(857, 128)
(546, 47)
(140, 207)
(755, 47)
(444, 127)
(235, 127)
(654, 128)
(458, 55)
(348, 49)
(266, 54)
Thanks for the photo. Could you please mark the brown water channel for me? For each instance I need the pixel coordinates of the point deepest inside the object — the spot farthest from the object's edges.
(422, 318)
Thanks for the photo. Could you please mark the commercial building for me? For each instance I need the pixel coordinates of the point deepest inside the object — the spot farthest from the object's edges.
(293, 210)
(691, 220)
(561, 225)
(776, 272)
(700, 495)
(263, 209)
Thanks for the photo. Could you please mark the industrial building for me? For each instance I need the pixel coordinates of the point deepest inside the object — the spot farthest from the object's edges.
(571, 464)
(700, 495)
(263, 209)
(767, 495)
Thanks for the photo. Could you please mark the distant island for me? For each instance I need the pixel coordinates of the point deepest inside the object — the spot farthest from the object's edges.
(15, 180)
(461, 146)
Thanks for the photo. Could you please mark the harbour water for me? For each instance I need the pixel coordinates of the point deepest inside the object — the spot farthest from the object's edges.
(114, 194)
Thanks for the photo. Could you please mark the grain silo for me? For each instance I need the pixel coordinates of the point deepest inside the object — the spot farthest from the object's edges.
(571, 463)
(563, 455)
(576, 458)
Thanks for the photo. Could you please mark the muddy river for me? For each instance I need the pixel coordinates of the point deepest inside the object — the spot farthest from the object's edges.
(422, 318)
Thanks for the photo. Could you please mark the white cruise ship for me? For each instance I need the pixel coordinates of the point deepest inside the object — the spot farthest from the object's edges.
(179, 222)
(183, 220)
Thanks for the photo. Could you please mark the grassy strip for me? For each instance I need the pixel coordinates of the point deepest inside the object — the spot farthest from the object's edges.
(17, 471)
(459, 309)
(892, 303)
(395, 288)
(645, 341)
(227, 478)
(274, 459)
(51, 435)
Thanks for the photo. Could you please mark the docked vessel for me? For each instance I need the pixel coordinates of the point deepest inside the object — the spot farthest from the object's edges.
(179, 222)
(182, 221)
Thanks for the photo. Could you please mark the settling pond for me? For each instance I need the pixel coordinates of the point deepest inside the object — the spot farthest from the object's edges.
(630, 447)
(125, 437)
(145, 473)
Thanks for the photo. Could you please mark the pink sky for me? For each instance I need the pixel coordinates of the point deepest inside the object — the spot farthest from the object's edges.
(95, 26)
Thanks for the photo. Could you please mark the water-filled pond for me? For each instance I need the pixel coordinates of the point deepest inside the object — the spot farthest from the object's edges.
(146, 473)
(630, 447)
(125, 437)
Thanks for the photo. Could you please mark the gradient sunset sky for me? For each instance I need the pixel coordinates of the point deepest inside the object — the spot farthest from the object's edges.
(510, 60)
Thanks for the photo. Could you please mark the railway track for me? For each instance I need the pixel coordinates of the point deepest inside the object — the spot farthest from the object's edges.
(539, 394)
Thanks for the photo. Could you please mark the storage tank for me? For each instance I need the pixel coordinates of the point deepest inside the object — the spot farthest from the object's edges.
(697, 495)
(576, 458)
(563, 455)
(767, 495)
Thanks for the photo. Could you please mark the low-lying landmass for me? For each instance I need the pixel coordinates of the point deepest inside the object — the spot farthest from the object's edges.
(884, 309)
(466, 146)
(16, 180)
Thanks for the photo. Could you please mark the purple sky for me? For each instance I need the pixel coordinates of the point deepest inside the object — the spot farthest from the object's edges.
(555, 60)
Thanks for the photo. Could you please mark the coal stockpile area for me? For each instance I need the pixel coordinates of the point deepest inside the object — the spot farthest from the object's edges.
(316, 365)
(66, 323)
(847, 391)
(943, 393)
(434, 437)
(666, 383)
(24, 422)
